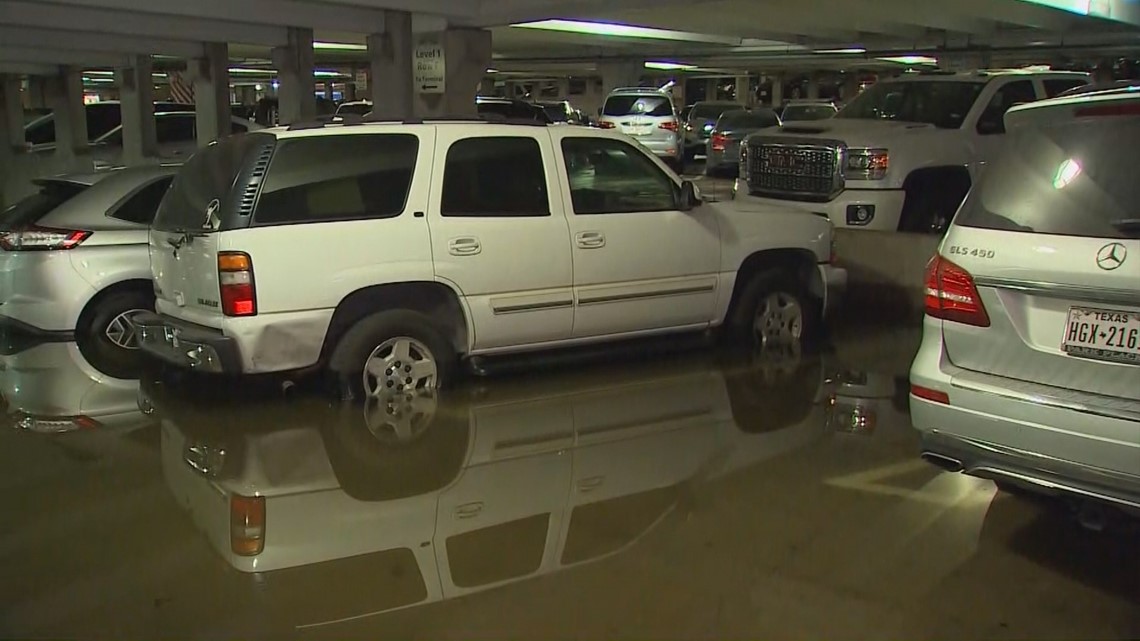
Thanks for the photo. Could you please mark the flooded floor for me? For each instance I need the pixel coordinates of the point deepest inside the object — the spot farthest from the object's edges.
(681, 494)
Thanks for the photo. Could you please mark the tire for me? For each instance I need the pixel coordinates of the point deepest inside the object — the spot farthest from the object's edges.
(790, 315)
(377, 336)
(106, 337)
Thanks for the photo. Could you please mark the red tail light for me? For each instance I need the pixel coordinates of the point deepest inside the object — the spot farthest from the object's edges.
(235, 277)
(42, 239)
(247, 525)
(605, 124)
(671, 125)
(719, 141)
(951, 294)
(928, 394)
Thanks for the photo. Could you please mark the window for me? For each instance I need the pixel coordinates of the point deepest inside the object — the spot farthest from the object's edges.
(31, 209)
(613, 177)
(40, 131)
(640, 105)
(992, 120)
(941, 103)
(495, 177)
(142, 205)
(753, 119)
(178, 128)
(326, 178)
(1056, 86)
(101, 118)
(498, 552)
(711, 110)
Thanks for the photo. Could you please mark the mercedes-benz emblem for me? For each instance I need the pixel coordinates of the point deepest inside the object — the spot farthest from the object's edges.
(1111, 256)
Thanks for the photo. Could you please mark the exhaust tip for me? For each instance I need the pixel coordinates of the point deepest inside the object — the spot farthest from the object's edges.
(944, 462)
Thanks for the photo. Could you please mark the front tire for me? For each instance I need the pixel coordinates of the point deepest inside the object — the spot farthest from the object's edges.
(394, 352)
(774, 311)
(107, 336)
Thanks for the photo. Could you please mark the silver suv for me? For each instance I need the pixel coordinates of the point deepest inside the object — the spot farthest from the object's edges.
(647, 115)
(1029, 369)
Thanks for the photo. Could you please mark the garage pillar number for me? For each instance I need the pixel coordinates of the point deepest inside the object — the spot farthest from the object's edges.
(428, 65)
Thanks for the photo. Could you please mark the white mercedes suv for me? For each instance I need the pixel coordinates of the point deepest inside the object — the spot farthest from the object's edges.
(1029, 368)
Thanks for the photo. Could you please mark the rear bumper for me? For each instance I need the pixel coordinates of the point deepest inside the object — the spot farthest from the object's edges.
(670, 149)
(202, 349)
(42, 292)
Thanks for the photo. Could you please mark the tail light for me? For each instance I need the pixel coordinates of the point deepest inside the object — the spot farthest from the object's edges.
(671, 125)
(951, 294)
(247, 525)
(928, 394)
(42, 239)
(719, 142)
(235, 276)
(55, 424)
(605, 124)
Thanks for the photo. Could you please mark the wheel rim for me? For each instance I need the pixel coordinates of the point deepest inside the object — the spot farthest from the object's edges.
(399, 418)
(400, 364)
(122, 331)
(779, 319)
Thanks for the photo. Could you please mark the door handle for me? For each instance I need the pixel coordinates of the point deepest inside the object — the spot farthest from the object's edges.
(590, 484)
(469, 510)
(466, 246)
(590, 239)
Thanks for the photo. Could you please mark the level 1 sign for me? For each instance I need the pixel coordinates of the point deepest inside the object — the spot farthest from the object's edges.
(428, 65)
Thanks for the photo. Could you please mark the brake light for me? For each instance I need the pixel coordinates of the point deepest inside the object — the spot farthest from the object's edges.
(928, 394)
(951, 294)
(42, 239)
(719, 141)
(247, 525)
(671, 125)
(235, 278)
(605, 124)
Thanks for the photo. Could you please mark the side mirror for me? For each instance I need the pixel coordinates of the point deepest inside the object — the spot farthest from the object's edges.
(690, 196)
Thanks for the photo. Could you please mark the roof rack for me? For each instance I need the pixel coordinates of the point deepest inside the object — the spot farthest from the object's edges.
(348, 120)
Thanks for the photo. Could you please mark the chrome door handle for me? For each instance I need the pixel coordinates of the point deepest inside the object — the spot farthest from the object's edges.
(467, 246)
(590, 239)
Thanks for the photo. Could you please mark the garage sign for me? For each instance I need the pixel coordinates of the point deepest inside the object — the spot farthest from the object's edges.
(428, 64)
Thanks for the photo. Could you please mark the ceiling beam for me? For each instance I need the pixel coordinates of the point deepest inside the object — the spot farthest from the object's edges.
(28, 69)
(47, 56)
(34, 13)
(84, 41)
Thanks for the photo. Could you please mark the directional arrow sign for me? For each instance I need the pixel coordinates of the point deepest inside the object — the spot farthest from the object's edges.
(428, 64)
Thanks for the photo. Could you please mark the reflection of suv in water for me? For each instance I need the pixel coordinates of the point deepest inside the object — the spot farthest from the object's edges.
(1029, 369)
(901, 155)
(648, 116)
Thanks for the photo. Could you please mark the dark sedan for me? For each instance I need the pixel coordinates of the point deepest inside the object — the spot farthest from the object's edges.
(723, 150)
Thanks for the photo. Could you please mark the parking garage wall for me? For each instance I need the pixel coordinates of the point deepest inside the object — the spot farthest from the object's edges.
(885, 273)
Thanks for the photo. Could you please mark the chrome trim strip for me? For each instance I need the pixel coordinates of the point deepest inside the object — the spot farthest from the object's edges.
(1045, 400)
(531, 307)
(657, 294)
(656, 420)
(522, 441)
(1054, 290)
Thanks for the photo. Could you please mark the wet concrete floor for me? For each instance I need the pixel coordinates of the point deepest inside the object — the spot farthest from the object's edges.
(687, 494)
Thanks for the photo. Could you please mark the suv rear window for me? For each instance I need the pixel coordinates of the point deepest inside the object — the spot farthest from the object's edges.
(1075, 178)
(30, 209)
(646, 105)
(326, 178)
(209, 174)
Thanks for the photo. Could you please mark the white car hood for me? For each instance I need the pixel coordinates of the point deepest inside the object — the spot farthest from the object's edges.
(854, 132)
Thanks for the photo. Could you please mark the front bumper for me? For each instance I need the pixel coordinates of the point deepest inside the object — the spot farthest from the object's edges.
(887, 203)
(202, 349)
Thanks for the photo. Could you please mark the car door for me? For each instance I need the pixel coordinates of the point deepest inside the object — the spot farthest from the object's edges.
(640, 263)
(499, 234)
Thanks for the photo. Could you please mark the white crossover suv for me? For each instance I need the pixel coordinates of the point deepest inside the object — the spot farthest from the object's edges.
(649, 116)
(73, 260)
(386, 251)
(1029, 369)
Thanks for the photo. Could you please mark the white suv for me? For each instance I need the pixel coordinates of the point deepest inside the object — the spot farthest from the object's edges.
(1029, 369)
(649, 116)
(392, 248)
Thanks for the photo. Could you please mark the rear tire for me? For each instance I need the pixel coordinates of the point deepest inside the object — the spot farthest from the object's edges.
(773, 311)
(107, 336)
(392, 352)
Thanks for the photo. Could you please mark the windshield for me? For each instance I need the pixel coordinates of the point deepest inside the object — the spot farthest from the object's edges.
(755, 119)
(31, 209)
(808, 112)
(710, 111)
(647, 105)
(943, 104)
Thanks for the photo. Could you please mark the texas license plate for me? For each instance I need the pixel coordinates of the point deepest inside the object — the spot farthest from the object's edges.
(1103, 334)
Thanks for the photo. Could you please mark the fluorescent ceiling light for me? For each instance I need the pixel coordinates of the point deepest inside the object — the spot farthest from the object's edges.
(98, 79)
(668, 66)
(619, 30)
(328, 74)
(911, 60)
(251, 71)
(490, 70)
(339, 46)
(850, 50)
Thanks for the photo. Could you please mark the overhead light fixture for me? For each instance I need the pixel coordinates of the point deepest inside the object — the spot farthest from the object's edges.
(490, 70)
(616, 29)
(849, 50)
(99, 80)
(250, 71)
(339, 46)
(325, 73)
(911, 60)
(668, 66)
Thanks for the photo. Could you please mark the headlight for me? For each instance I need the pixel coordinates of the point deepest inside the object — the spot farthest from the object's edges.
(867, 164)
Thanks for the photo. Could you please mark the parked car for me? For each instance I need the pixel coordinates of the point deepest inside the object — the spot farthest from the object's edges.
(807, 110)
(648, 115)
(723, 145)
(511, 109)
(1029, 368)
(73, 260)
(699, 121)
(176, 133)
(354, 107)
(102, 117)
(429, 222)
(910, 148)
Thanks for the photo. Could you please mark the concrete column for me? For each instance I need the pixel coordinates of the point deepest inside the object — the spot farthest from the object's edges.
(65, 98)
(467, 52)
(777, 91)
(620, 74)
(36, 96)
(11, 113)
(850, 86)
(212, 93)
(390, 54)
(813, 87)
(743, 86)
(295, 90)
(711, 85)
(136, 94)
